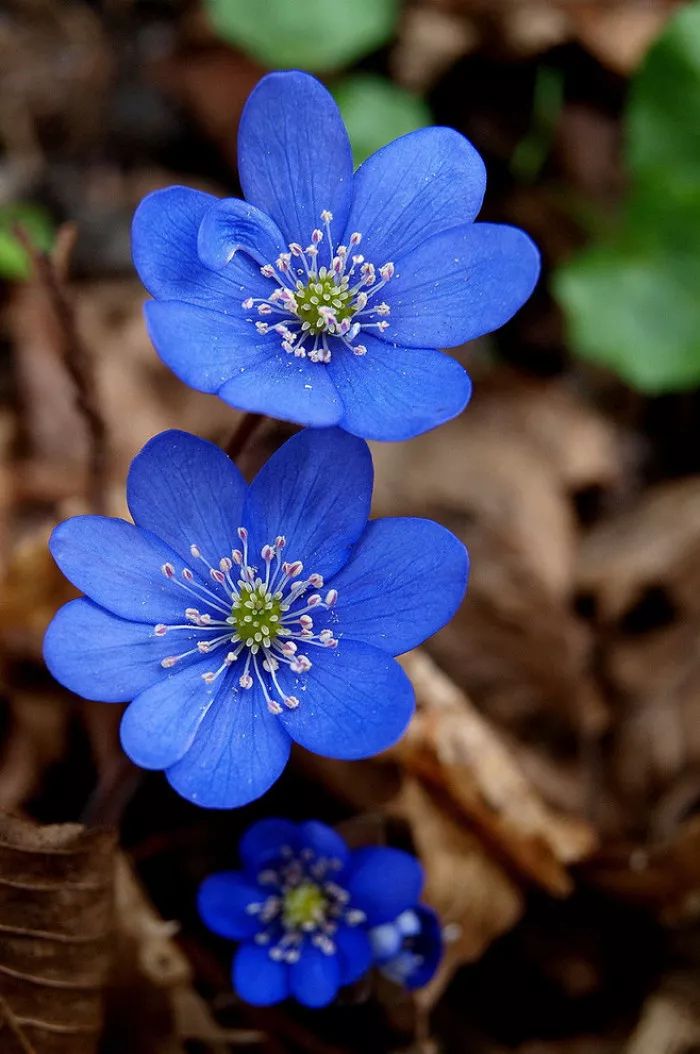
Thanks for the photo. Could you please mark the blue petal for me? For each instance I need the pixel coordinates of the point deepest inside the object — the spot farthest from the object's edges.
(222, 900)
(251, 371)
(294, 157)
(263, 842)
(204, 348)
(233, 226)
(355, 701)
(420, 185)
(164, 247)
(285, 387)
(315, 978)
(257, 978)
(186, 490)
(238, 753)
(119, 567)
(354, 952)
(429, 945)
(404, 581)
(102, 657)
(386, 941)
(323, 840)
(383, 882)
(395, 393)
(160, 725)
(460, 285)
(316, 491)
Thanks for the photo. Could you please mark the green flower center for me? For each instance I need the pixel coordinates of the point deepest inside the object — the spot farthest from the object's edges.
(256, 615)
(304, 906)
(322, 294)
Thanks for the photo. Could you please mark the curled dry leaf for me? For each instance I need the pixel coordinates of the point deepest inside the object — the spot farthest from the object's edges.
(56, 920)
(475, 897)
(455, 752)
(502, 478)
(649, 550)
(152, 1004)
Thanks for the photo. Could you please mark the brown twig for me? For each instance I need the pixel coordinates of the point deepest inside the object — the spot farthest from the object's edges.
(243, 434)
(77, 361)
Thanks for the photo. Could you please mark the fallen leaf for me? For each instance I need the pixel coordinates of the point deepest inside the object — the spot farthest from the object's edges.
(56, 920)
(454, 750)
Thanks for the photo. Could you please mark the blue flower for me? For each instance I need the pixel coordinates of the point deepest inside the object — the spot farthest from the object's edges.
(409, 949)
(239, 618)
(323, 296)
(303, 908)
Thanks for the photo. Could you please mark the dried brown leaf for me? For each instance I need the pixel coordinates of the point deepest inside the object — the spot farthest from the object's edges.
(664, 877)
(455, 751)
(56, 919)
(654, 544)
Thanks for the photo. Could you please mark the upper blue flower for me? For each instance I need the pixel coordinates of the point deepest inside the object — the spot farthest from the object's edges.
(322, 297)
(238, 618)
(304, 908)
(408, 950)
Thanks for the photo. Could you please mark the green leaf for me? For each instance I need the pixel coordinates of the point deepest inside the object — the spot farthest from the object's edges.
(663, 118)
(38, 225)
(310, 34)
(376, 111)
(637, 312)
(632, 303)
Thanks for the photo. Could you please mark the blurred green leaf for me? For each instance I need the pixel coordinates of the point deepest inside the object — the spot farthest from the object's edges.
(311, 34)
(38, 225)
(376, 111)
(531, 152)
(663, 117)
(637, 313)
(633, 302)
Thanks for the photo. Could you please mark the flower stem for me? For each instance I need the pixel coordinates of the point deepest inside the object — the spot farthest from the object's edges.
(48, 274)
(243, 434)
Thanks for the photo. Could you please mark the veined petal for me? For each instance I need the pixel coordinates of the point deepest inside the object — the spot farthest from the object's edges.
(394, 393)
(238, 753)
(355, 701)
(231, 226)
(461, 284)
(404, 581)
(118, 566)
(294, 157)
(383, 882)
(102, 657)
(422, 184)
(248, 370)
(205, 348)
(257, 978)
(164, 246)
(285, 387)
(316, 492)
(187, 491)
(223, 899)
(315, 978)
(160, 725)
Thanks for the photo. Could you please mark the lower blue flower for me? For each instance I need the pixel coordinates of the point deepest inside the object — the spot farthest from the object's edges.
(303, 907)
(409, 949)
(237, 618)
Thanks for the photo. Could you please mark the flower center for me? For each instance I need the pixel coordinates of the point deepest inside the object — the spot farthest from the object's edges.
(304, 903)
(256, 615)
(314, 309)
(253, 617)
(303, 906)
